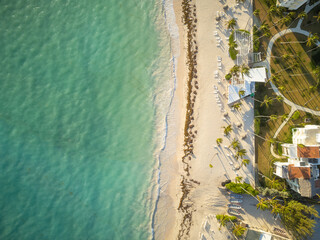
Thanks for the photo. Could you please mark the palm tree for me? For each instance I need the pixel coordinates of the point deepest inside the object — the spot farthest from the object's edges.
(312, 88)
(274, 78)
(267, 101)
(263, 204)
(223, 219)
(241, 153)
(235, 144)
(279, 98)
(236, 106)
(231, 23)
(245, 162)
(284, 117)
(267, 34)
(245, 70)
(312, 39)
(256, 12)
(273, 117)
(264, 27)
(273, 183)
(300, 16)
(227, 130)
(235, 70)
(281, 88)
(241, 92)
(317, 17)
(286, 56)
(219, 141)
(272, 140)
(238, 230)
(316, 72)
(238, 179)
(285, 20)
(272, 11)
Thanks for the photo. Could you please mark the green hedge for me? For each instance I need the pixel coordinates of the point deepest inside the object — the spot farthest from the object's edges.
(237, 188)
(233, 53)
(228, 76)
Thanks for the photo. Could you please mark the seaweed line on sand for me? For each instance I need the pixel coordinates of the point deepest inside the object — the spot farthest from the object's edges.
(187, 184)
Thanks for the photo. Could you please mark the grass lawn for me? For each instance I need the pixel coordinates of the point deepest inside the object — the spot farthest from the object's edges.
(264, 159)
(296, 87)
(296, 82)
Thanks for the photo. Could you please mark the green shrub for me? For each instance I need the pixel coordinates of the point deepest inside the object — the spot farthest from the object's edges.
(233, 53)
(296, 115)
(231, 37)
(238, 188)
(228, 76)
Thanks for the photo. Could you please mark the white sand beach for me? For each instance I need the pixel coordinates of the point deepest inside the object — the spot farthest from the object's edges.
(205, 200)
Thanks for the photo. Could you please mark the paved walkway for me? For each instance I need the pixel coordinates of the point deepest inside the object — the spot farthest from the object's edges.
(266, 64)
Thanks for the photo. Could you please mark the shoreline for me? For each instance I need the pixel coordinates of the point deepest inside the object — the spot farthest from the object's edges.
(174, 181)
(182, 206)
(165, 217)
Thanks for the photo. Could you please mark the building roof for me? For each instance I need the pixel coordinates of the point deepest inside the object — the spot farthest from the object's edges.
(256, 75)
(309, 135)
(306, 188)
(299, 172)
(308, 152)
(233, 91)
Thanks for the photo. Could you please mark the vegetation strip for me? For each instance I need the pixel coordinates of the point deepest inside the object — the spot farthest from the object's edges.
(186, 205)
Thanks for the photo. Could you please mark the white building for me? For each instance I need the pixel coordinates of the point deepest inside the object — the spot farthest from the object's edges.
(291, 4)
(246, 83)
(302, 168)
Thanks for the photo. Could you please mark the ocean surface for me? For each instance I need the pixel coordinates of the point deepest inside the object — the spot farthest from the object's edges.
(85, 87)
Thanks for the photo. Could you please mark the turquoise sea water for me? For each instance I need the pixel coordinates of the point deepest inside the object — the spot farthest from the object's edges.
(81, 88)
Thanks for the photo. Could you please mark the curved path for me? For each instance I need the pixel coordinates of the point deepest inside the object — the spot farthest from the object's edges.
(266, 63)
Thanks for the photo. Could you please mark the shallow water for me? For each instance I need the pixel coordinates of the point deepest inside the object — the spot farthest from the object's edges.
(84, 90)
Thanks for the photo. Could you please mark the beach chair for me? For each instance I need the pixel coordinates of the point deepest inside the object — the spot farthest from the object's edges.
(219, 59)
(202, 237)
(215, 33)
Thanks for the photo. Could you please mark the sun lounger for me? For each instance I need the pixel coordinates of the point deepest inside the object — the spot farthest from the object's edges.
(238, 196)
(235, 200)
(215, 33)
(219, 59)
(207, 226)
(202, 237)
(234, 206)
(234, 212)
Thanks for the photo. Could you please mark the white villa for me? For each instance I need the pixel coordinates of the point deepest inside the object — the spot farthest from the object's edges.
(301, 171)
(291, 4)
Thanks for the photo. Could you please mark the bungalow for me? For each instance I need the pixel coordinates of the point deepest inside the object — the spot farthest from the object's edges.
(246, 83)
